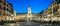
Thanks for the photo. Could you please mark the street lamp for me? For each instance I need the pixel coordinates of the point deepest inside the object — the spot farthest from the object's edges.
(49, 15)
(12, 18)
(12, 15)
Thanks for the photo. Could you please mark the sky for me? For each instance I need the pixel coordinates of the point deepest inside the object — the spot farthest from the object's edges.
(21, 6)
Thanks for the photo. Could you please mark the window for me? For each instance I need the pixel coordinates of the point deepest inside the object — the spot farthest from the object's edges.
(4, 13)
(4, 8)
(55, 9)
(0, 7)
(29, 10)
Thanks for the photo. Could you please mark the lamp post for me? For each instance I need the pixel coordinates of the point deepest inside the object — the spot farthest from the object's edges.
(12, 17)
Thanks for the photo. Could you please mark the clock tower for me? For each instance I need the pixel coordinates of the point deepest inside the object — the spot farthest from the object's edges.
(29, 15)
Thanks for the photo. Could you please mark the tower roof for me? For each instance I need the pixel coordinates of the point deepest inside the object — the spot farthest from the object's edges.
(28, 6)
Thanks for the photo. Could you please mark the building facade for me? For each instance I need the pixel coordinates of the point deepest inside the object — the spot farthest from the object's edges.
(6, 10)
(52, 12)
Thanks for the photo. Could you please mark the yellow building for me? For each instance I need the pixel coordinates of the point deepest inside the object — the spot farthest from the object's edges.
(27, 16)
(53, 11)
